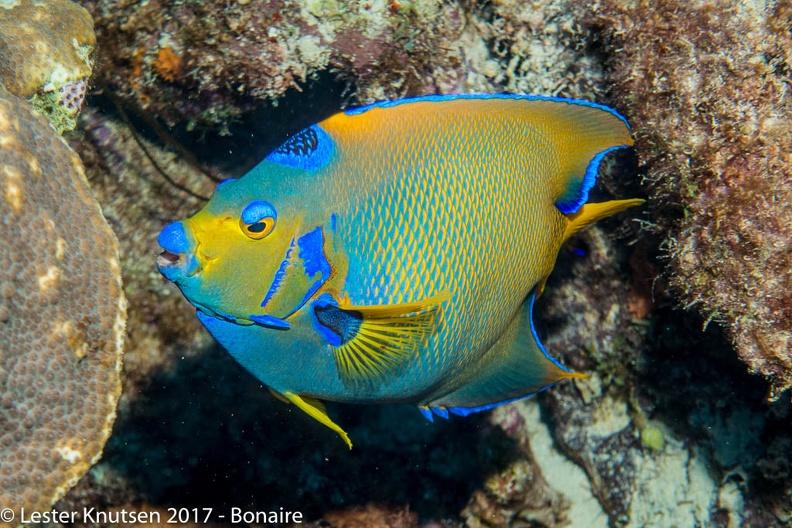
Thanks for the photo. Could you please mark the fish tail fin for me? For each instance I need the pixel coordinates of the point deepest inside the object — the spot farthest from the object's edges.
(582, 134)
(516, 367)
(589, 213)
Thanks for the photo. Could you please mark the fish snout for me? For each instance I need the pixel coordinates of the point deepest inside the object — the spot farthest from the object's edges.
(177, 261)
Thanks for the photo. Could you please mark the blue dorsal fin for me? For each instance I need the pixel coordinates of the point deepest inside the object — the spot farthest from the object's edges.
(309, 149)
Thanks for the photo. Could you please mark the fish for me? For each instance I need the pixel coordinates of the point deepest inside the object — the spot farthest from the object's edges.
(393, 253)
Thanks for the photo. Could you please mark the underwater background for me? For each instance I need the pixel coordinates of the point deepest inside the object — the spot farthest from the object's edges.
(680, 313)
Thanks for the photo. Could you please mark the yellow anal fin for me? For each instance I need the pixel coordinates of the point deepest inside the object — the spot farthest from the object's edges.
(592, 212)
(316, 410)
(385, 338)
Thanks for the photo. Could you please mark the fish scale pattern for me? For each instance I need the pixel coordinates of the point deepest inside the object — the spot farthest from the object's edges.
(456, 217)
(422, 201)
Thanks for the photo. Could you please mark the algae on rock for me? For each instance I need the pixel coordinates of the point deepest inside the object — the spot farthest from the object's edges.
(706, 87)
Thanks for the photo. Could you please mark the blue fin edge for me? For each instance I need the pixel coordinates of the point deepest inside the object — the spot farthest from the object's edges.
(465, 411)
(427, 413)
(439, 98)
(576, 198)
(531, 301)
(430, 412)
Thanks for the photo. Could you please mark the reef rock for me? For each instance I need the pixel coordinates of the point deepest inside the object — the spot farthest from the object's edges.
(706, 87)
(232, 55)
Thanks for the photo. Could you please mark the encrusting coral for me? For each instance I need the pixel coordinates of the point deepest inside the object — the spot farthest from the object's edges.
(234, 55)
(706, 86)
(46, 56)
(62, 314)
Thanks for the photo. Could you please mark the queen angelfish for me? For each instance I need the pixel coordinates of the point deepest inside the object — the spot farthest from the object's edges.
(393, 253)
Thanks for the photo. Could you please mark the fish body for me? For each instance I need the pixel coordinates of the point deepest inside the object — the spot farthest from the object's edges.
(393, 253)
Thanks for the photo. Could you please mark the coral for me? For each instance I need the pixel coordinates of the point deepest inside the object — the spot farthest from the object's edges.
(62, 313)
(46, 50)
(529, 47)
(706, 87)
(167, 64)
(232, 55)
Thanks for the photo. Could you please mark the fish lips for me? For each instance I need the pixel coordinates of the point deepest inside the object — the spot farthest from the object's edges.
(177, 262)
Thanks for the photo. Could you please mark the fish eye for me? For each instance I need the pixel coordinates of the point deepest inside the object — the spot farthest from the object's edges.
(258, 219)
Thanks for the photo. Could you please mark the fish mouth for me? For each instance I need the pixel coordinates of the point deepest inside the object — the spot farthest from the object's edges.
(177, 266)
(167, 258)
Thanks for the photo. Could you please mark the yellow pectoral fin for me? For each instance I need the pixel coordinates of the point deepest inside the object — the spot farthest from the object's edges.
(384, 337)
(394, 310)
(316, 410)
(591, 212)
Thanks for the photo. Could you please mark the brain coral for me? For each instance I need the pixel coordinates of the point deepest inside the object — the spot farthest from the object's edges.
(62, 314)
(46, 55)
(706, 86)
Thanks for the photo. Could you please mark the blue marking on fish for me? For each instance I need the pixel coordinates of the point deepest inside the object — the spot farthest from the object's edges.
(442, 413)
(270, 321)
(324, 301)
(276, 281)
(224, 183)
(314, 261)
(576, 197)
(427, 414)
(310, 149)
(257, 210)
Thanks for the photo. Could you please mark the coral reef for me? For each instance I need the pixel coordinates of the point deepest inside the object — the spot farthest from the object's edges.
(62, 313)
(46, 57)
(706, 87)
(529, 47)
(656, 436)
(233, 55)
(520, 493)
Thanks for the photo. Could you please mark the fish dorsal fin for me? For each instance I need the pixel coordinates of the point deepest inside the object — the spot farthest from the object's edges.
(518, 366)
(592, 212)
(316, 410)
(581, 133)
(370, 342)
